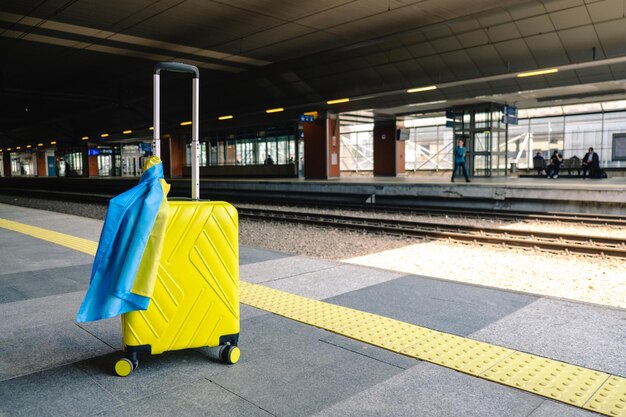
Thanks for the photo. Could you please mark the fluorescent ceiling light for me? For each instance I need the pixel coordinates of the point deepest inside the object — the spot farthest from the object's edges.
(127, 132)
(539, 72)
(227, 117)
(85, 138)
(427, 103)
(276, 110)
(104, 135)
(187, 123)
(40, 144)
(420, 89)
(337, 101)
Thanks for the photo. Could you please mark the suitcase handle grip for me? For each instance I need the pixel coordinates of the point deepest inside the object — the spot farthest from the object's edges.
(176, 67)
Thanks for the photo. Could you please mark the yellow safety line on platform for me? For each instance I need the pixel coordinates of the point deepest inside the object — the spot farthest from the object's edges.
(82, 245)
(571, 384)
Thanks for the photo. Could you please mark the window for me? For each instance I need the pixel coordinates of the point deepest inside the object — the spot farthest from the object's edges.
(619, 146)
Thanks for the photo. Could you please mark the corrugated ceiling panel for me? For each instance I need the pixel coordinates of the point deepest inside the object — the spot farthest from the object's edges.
(287, 10)
(547, 50)
(535, 25)
(475, 38)
(461, 64)
(422, 49)
(464, 25)
(493, 18)
(594, 75)
(487, 59)
(562, 4)
(579, 43)
(503, 32)
(604, 10)
(516, 53)
(446, 44)
(570, 18)
(527, 10)
(436, 68)
(612, 35)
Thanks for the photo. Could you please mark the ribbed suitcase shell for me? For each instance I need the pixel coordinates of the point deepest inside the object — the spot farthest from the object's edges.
(196, 295)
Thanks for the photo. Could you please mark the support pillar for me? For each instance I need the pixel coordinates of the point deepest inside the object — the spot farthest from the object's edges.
(6, 164)
(322, 147)
(389, 159)
(42, 163)
(173, 156)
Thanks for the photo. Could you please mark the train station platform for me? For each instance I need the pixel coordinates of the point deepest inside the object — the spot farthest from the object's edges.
(379, 344)
(532, 194)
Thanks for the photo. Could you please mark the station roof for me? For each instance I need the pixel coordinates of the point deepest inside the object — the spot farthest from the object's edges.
(71, 68)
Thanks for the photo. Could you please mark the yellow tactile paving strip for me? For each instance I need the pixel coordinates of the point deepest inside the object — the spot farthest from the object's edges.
(578, 386)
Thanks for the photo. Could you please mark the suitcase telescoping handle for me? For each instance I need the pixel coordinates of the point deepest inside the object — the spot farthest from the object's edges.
(195, 104)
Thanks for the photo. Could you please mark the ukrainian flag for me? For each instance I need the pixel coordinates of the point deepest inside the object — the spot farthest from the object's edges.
(125, 268)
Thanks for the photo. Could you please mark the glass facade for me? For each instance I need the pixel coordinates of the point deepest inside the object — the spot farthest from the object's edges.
(542, 130)
(357, 147)
(257, 148)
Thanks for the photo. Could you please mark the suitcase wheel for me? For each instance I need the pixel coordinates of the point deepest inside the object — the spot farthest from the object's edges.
(230, 354)
(125, 366)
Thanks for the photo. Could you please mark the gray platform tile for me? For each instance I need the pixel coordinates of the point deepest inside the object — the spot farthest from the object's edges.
(197, 398)
(250, 255)
(109, 331)
(269, 334)
(297, 380)
(19, 253)
(44, 282)
(442, 305)
(35, 349)
(370, 351)
(582, 334)
(156, 374)
(64, 391)
(333, 281)
(554, 409)
(277, 269)
(83, 227)
(23, 315)
(247, 312)
(433, 391)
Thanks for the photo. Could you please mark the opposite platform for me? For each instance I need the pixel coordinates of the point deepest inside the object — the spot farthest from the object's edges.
(606, 196)
(267, 372)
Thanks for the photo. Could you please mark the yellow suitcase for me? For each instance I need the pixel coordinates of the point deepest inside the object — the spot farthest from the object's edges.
(196, 296)
(195, 302)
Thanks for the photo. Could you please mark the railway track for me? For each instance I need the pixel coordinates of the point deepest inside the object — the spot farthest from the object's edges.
(568, 243)
(577, 218)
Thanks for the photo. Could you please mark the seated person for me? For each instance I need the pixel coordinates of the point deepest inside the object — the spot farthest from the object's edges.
(539, 163)
(591, 164)
(555, 164)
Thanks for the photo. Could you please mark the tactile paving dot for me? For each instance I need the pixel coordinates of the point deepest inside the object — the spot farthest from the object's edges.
(561, 381)
(610, 399)
(465, 355)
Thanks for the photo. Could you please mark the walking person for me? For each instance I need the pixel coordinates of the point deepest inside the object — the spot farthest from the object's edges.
(459, 160)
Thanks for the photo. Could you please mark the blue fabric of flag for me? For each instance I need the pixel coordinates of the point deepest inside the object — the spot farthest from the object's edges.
(126, 231)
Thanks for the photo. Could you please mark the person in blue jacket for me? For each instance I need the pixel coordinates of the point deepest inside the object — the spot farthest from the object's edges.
(459, 160)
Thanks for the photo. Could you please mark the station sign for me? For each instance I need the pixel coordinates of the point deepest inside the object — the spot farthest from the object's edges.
(306, 118)
(509, 115)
